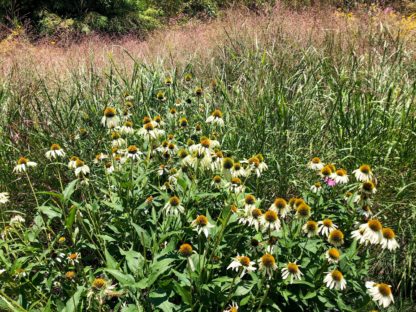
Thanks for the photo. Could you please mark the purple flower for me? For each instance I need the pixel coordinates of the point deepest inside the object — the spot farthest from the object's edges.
(330, 182)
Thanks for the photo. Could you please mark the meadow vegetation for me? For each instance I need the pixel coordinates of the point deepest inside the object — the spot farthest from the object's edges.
(176, 173)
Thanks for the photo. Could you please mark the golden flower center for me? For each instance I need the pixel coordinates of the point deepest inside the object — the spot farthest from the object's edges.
(146, 119)
(70, 275)
(341, 172)
(73, 158)
(171, 146)
(79, 163)
(236, 181)
(270, 216)
(327, 222)
(132, 149)
(388, 233)
(55, 147)
(174, 201)
(158, 119)
(326, 171)
(249, 199)
(336, 275)
(254, 161)
(336, 236)
(202, 220)
(128, 124)
(98, 283)
(303, 210)
(148, 126)
(22, 161)
(237, 166)
(299, 201)
(375, 225)
(316, 160)
(293, 268)
(334, 253)
(256, 213)
(217, 113)
(268, 260)
(311, 226)
(365, 169)
(216, 179)
(115, 135)
(73, 256)
(172, 111)
(183, 122)
(205, 143)
(109, 112)
(384, 289)
(280, 203)
(227, 163)
(317, 184)
(185, 250)
(245, 261)
(368, 186)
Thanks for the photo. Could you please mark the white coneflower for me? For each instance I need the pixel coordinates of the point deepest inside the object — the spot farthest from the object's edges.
(81, 169)
(389, 241)
(368, 187)
(363, 173)
(372, 231)
(310, 228)
(257, 164)
(236, 185)
(249, 202)
(267, 263)
(173, 206)
(17, 220)
(72, 162)
(280, 206)
(340, 176)
(270, 220)
(148, 132)
(252, 218)
(232, 308)
(127, 128)
(336, 238)
(316, 187)
(55, 152)
(358, 235)
(238, 171)
(158, 122)
(315, 164)
(242, 262)
(110, 118)
(205, 147)
(217, 182)
(303, 211)
(325, 227)
(365, 210)
(4, 197)
(291, 270)
(217, 160)
(332, 255)
(335, 280)
(191, 161)
(23, 164)
(117, 140)
(326, 172)
(202, 225)
(99, 157)
(216, 118)
(206, 162)
(73, 258)
(380, 293)
(109, 168)
(133, 152)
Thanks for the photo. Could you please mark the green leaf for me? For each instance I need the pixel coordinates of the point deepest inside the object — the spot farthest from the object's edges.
(72, 304)
(125, 280)
(183, 292)
(51, 212)
(71, 217)
(110, 262)
(69, 190)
